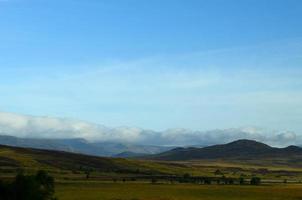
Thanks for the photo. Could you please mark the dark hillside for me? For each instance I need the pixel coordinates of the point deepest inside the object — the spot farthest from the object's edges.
(240, 149)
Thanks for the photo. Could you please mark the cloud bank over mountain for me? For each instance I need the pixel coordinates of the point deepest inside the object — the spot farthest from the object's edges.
(49, 127)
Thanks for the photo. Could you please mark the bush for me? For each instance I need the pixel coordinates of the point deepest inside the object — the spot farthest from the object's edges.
(218, 173)
(153, 180)
(255, 181)
(34, 187)
(241, 181)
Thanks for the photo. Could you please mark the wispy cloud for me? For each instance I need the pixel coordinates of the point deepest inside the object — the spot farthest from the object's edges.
(258, 85)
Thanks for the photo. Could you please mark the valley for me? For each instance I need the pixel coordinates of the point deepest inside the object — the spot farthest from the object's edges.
(148, 177)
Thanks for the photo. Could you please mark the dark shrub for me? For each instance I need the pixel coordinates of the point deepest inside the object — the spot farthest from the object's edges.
(37, 187)
(153, 180)
(218, 173)
(207, 181)
(255, 181)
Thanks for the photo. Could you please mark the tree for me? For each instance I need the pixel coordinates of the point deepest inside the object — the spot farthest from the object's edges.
(231, 181)
(5, 190)
(186, 178)
(241, 180)
(255, 181)
(87, 174)
(207, 181)
(153, 180)
(218, 172)
(30, 187)
(47, 184)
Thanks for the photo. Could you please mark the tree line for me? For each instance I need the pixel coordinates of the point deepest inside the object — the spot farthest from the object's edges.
(186, 178)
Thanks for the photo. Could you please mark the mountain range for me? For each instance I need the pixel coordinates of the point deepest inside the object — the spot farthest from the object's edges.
(78, 153)
(79, 145)
(237, 150)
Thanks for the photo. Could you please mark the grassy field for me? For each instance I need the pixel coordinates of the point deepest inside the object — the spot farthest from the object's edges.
(147, 191)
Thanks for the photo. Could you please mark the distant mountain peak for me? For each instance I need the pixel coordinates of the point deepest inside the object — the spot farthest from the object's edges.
(248, 143)
(81, 145)
(292, 148)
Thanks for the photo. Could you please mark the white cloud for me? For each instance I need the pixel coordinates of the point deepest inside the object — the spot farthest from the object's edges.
(48, 127)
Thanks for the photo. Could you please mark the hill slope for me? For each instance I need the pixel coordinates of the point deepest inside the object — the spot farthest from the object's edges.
(14, 158)
(67, 165)
(240, 149)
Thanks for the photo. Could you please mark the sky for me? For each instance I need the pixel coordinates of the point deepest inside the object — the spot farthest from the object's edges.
(194, 64)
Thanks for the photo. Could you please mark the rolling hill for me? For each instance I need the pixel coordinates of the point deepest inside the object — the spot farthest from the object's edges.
(195, 161)
(14, 158)
(240, 149)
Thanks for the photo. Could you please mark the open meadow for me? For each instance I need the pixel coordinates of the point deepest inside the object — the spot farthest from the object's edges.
(148, 191)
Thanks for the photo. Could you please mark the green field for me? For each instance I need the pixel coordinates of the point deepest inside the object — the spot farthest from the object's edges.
(147, 191)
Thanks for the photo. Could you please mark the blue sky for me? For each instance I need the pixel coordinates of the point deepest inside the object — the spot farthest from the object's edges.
(154, 64)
